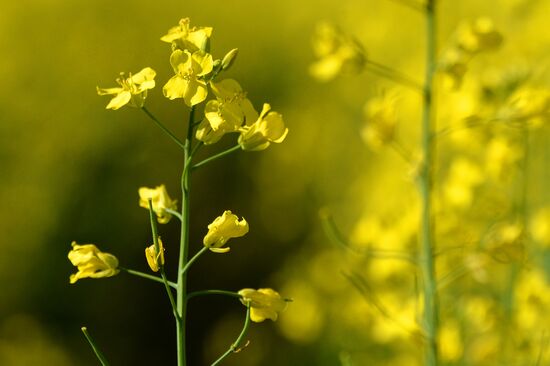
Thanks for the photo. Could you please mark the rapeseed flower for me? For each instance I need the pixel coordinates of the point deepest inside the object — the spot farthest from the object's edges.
(155, 258)
(91, 262)
(381, 120)
(160, 200)
(265, 303)
(188, 83)
(336, 51)
(184, 37)
(222, 229)
(132, 90)
(268, 128)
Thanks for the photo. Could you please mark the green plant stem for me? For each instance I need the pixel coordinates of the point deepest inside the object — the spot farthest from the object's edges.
(193, 259)
(394, 75)
(213, 292)
(147, 276)
(172, 212)
(169, 293)
(217, 156)
(235, 346)
(154, 231)
(181, 297)
(97, 352)
(430, 311)
(163, 128)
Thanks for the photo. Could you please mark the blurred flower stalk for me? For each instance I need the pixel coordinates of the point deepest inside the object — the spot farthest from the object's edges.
(196, 77)
(468, 236)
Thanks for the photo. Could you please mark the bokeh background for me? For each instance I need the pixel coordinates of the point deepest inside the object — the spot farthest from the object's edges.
(70, 170)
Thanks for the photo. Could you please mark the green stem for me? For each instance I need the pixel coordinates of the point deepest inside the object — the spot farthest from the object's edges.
(430, 315)
(172, 212)
(193, 259)
(213, 292)
(154, 231)
(147, 276)
(181, 300)
(169, 292)
(394, 75)
(215, 157)
(97, 352)
(234, 348)
(163, 128)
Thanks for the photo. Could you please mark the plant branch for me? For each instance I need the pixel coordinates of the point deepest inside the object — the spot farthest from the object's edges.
(163, 128)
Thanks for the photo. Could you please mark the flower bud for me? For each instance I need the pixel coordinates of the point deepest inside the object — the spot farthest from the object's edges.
(229, 58)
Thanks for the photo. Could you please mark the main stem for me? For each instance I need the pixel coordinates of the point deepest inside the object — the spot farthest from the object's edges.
(430, 316)
(181, 301)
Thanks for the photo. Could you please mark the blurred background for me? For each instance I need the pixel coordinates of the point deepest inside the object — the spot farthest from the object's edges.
(70, 170)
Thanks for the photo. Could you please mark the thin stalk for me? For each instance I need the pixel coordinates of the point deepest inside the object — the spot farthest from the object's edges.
(234, 348)
(193, 259)
(181, 297)
(213, 292)
(96, 350)
(174, 213)
(215, 157)
(164, 128)
(394, 75)
(430, 315)
(147, 276)
(154, 231)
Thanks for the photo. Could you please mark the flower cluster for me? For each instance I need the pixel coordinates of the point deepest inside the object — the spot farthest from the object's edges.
(470, 39)
(229, 110)
(337, 52)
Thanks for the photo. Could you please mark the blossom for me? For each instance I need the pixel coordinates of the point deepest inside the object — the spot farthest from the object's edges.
(188, 38)
(227, 113)
(268, 128)
(132, 90)
(539, 226)
(337, 52)
(222, 229)
(188, 82)
(265, 303)
(381, 120)
(91, 262)
(478, 35)
(155, 258)
(527, 105)
(160, 201)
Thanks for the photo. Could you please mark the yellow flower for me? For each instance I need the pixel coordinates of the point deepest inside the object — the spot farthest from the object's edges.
(478, 35)
(91, 262)
(336, 51)
(264, 303)
(540, 226)
(160, 201)
(222, 229)
(267, 129)
(188, 82)
(381, 120)
(227, 113)
(527, 105)
(206, 134)
(155, 259)
(132, 90)
(184, 37)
